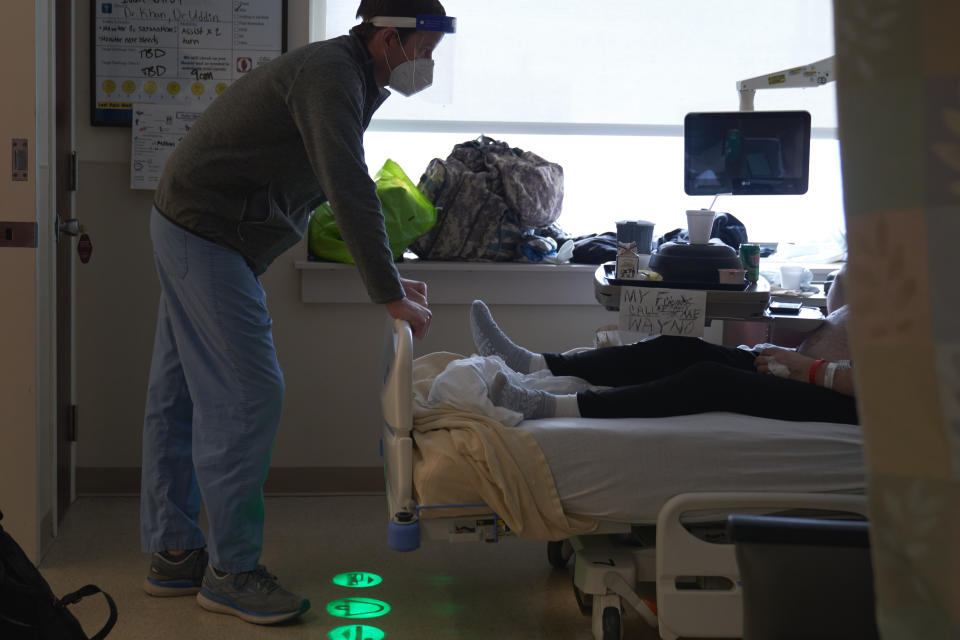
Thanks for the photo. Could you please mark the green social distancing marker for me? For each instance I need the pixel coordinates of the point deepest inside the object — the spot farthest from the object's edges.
(358, 608)
(357, 580)
(356, 632)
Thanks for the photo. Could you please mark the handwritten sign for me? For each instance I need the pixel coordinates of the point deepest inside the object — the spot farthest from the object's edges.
(182, 52)
(157, 129)
(673, 312)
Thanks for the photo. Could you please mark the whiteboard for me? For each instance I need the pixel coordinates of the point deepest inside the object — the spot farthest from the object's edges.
(176, 52)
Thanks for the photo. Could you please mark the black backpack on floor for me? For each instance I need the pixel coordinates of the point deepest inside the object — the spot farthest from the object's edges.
(28, 608)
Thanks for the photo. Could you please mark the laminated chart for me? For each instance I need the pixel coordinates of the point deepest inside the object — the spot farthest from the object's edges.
(177, 52)
(157, 129)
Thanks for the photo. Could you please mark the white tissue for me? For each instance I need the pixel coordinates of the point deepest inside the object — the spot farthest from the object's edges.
(779, 369)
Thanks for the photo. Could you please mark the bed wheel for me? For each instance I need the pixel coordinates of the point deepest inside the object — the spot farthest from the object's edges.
(611, 623)
(558, 553)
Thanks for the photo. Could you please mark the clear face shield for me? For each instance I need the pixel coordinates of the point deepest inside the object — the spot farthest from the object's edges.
(429, 57)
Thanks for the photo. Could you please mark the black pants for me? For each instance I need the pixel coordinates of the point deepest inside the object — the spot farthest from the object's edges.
(671, 376)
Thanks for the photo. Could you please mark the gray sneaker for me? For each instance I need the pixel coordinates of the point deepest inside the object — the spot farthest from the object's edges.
(253, 596)
(175, 577)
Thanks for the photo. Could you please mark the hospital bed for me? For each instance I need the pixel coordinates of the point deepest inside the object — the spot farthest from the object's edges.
(647, 499)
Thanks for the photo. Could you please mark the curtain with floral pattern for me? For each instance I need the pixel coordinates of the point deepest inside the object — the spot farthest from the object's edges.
(898, 84)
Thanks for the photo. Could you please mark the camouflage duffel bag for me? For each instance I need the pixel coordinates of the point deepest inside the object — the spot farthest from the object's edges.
(487, 195)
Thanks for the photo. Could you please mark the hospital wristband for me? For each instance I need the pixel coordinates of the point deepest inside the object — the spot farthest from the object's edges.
(813, 370)
(828, 374)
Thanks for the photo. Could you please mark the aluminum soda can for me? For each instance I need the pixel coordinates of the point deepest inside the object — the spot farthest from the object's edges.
(750, 257)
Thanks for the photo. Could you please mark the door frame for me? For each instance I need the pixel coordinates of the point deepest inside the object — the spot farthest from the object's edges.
(64, 207)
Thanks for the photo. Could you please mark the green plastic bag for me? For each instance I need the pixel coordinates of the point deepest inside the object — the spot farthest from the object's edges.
(407, 215)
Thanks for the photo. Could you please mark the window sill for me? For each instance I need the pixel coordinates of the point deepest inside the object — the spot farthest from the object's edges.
(820, 269)
(459, 282)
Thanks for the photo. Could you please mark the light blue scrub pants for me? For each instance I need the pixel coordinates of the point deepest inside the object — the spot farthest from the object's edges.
(213, 402)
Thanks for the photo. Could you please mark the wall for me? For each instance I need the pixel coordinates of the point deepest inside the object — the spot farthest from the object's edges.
(330, 353)
(23, 498)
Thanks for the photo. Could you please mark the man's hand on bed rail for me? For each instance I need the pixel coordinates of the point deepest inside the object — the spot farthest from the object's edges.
(416, 291)
(412, 308)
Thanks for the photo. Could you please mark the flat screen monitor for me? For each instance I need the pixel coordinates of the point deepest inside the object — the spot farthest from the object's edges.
(746, 153)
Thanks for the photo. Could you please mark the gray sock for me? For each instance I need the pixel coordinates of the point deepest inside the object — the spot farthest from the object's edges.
(491, 341)
(533, 404)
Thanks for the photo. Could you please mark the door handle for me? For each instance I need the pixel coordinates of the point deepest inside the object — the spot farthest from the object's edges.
(70, 227)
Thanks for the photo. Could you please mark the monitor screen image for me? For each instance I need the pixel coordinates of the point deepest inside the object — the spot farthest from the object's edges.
(746, 153)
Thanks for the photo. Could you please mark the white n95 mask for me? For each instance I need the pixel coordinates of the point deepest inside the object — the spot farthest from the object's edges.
(412, 76)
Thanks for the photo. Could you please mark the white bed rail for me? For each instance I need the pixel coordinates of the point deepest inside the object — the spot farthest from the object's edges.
(717, 612)
(396, 401)
(396, 398)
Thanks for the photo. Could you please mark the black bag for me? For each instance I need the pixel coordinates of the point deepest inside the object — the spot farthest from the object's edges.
(28, 608)
(487, 196)
(729, 229)
(595, 248)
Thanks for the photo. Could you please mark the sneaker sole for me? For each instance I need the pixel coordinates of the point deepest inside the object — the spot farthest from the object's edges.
(160, 591)
(274, 618)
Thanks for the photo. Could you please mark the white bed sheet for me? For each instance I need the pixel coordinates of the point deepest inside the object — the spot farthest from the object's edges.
(626, 469)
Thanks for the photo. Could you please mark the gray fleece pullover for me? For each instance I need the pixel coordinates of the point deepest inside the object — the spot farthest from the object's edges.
(280, 141)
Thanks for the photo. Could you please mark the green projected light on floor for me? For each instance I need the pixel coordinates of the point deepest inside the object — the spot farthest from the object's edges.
(356, 632)
(358, 608)
(357, 579)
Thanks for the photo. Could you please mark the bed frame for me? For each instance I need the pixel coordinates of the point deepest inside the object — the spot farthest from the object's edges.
(692, 568)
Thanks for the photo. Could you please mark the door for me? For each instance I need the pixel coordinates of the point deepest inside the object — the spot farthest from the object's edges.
(66, 168)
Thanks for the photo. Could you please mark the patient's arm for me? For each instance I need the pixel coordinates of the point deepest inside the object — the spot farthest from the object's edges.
(799, 366)
(843, 381)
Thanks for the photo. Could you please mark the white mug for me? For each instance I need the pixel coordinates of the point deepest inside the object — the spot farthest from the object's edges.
(794, 276)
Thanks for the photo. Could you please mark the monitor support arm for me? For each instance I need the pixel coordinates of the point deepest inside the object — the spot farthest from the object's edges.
(811, 75)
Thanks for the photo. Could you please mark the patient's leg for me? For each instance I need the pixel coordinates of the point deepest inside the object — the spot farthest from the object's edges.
(646, 361)
(710, 386)
(533, 404)
(491, 341)
(704, 387)
(609, 367)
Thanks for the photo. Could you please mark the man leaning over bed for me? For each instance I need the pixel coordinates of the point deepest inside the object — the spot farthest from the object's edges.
(236, 193)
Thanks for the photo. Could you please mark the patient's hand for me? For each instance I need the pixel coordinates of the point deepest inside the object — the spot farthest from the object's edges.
(799, 365)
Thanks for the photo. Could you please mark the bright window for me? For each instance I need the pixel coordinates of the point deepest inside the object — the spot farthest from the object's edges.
(602, 89)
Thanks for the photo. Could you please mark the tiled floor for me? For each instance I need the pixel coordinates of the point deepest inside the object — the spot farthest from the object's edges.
(441, 591)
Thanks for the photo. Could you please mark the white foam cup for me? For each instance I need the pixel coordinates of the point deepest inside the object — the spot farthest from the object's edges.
(699, 225)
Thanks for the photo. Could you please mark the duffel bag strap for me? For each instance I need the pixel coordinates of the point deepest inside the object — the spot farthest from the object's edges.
(89, 590)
